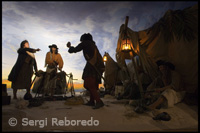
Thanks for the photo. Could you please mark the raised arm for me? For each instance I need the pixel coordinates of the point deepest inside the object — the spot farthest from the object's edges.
(72, 49)
(23, 50)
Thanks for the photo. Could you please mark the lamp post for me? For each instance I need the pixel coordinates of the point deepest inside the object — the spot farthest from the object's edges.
(126, 47)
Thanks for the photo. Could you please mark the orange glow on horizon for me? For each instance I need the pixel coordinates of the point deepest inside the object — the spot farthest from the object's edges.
(76, 85)
(8, 83)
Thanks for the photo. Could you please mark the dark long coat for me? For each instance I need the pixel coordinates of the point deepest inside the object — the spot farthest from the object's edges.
(88, 48)
(22, 71)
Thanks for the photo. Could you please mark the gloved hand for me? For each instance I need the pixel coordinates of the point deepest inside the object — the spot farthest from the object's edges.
(68, 44)
(37, 50)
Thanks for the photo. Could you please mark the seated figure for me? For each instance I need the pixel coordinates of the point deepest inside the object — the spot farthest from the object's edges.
(47, 82)
(169, 87)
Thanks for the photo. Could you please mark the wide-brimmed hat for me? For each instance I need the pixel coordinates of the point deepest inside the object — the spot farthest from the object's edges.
(53, 45)
(168, 64)
(160, 62)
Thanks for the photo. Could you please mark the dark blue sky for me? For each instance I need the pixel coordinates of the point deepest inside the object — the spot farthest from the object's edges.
(45, 23)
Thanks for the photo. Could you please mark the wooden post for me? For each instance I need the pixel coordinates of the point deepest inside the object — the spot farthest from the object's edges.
(126, 22)
(134, 64)
(137, 76)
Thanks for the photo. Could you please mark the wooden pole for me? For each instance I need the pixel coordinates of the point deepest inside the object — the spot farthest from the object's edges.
(134, 64)
(137, 76)
(126, 22)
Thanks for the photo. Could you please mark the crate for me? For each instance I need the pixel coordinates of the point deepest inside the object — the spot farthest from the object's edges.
(4, 87)
(6, 100)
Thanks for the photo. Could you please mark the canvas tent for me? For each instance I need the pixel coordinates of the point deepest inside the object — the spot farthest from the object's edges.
(113, 73)
(173, 38)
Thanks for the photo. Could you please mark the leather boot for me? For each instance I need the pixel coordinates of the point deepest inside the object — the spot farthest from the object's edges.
(90, 103)
(98, 105)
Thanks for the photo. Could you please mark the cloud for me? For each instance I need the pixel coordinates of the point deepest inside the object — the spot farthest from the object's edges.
(11, 15)
(61, 12)
(41, 37)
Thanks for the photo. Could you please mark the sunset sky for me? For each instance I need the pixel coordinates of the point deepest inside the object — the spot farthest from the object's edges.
(45, 23)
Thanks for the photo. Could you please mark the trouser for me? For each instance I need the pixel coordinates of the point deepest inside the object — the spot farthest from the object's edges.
(50, 80)
(173, 97)
(92, 86)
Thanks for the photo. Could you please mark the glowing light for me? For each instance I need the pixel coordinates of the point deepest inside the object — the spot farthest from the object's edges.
(126, 45)
(104, 58)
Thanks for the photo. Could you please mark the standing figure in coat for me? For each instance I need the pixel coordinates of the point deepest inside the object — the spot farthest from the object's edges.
(52, 60)
(93, 70)
(22, 71)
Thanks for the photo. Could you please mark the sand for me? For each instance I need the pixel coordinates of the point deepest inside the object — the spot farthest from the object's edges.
(112, 117)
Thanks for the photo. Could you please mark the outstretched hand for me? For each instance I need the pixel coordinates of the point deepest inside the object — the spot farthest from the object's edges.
(68, 44)
(38, 49)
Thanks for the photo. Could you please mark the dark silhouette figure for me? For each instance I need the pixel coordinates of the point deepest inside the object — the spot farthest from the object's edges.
(93, 70)
(22, 71)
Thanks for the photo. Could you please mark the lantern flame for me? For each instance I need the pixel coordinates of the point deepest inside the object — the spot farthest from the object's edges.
(126, 45)
(105, 58)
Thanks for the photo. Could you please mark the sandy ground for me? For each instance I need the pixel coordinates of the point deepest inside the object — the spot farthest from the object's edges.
(56, 116)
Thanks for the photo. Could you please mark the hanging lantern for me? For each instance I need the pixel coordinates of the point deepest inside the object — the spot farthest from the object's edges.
(105, 58)
(126, 45)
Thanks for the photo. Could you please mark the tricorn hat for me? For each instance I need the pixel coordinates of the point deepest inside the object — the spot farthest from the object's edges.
(53, 45)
